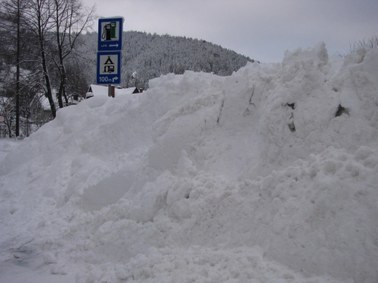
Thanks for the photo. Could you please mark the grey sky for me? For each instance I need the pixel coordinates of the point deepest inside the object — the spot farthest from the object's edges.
(260, 29)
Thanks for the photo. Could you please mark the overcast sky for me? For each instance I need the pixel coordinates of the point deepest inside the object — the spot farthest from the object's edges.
(260, 29)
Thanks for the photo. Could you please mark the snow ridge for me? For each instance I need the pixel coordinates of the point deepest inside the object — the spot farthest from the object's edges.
(268, 175)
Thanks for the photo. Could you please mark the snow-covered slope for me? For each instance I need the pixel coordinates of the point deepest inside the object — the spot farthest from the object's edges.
(268, 175)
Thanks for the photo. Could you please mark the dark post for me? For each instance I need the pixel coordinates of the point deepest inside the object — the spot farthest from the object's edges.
(111, 90)
(18, 71)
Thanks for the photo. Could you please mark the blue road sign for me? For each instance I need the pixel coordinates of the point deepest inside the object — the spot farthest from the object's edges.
(109, 67)
(110, 34)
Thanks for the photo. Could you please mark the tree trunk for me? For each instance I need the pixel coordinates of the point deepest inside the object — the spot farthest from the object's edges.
(41, 39)
(60, 94)
(60, 54)
(18, 71)
(48, 83)
(62, 87)
(64, 82)
(47, 78)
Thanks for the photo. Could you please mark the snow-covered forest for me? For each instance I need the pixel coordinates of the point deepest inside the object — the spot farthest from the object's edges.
(147, 56)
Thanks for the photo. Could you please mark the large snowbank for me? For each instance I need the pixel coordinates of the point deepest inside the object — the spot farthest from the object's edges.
(268, 175)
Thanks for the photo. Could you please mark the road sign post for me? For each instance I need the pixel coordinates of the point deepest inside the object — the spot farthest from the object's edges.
(109, 51)
(111, 91)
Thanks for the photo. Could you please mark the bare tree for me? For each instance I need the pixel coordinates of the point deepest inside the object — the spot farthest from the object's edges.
(38, 35)
(39, 18)
(11, 29)
(70, 20)
(6, 114)
(18, 20)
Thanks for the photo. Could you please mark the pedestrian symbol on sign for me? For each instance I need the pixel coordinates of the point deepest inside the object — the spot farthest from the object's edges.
(109, 66)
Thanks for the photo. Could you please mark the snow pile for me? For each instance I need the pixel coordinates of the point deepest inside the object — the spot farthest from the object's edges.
(268, 175)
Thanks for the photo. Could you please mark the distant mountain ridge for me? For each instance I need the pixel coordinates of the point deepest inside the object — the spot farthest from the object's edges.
(146, 56)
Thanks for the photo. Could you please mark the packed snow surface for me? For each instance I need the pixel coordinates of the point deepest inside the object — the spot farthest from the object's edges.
(268, 175)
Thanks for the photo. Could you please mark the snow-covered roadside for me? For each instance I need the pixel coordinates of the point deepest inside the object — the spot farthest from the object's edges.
(256, 177)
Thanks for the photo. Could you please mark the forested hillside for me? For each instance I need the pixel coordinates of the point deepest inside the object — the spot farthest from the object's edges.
(147, 56)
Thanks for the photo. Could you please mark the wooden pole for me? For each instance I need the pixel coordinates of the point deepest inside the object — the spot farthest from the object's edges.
(111, 91)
